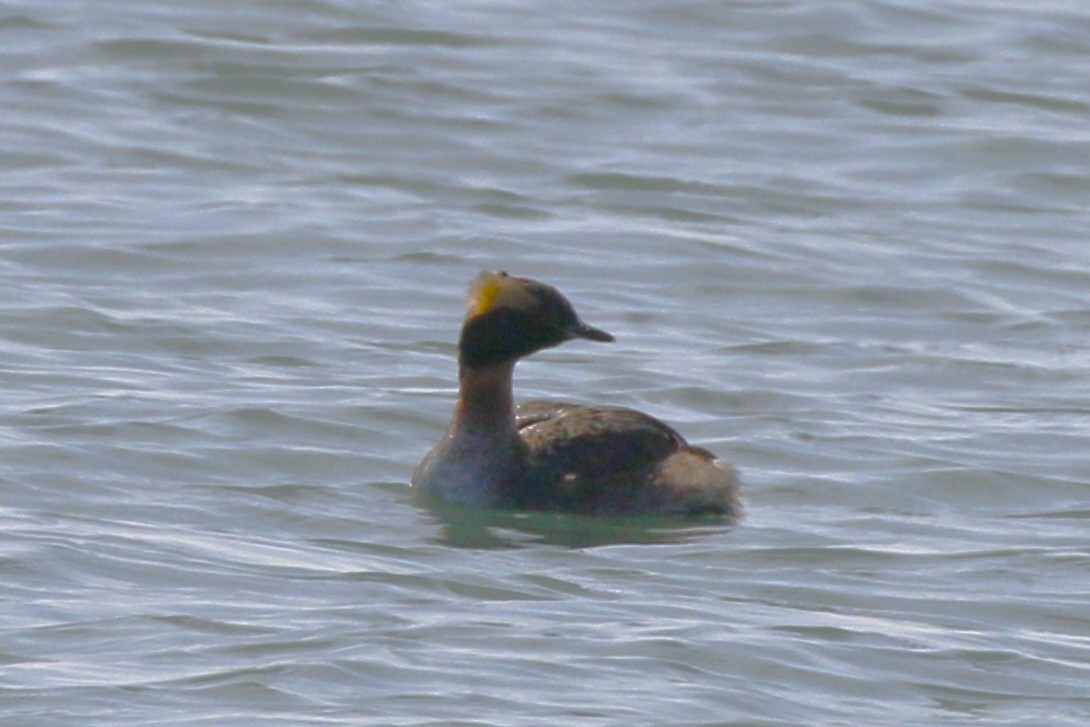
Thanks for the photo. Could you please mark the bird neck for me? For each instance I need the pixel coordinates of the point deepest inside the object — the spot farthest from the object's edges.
(486, 404)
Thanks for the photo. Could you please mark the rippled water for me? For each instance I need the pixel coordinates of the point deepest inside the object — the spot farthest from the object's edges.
(841, 244)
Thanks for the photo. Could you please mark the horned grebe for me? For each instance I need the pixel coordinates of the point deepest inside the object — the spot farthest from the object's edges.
(556, 456)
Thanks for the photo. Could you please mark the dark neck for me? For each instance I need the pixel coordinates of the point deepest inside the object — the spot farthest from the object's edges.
(486, 404)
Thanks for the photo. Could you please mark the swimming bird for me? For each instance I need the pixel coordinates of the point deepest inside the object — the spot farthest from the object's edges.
(549, 455)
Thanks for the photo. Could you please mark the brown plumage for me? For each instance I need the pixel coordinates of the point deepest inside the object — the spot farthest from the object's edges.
(557, 456)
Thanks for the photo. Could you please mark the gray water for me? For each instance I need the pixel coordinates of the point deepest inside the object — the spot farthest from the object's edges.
(842, 244)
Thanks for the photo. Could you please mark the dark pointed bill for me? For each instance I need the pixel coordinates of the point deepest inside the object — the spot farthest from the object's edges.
(582, 330)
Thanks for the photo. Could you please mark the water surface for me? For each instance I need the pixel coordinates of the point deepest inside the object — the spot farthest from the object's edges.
(841, 244)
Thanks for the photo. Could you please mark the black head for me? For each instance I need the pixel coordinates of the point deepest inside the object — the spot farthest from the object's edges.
(509, 318)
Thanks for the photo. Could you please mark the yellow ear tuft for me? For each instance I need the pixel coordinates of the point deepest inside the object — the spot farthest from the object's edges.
(499, 290)
(487, 288)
